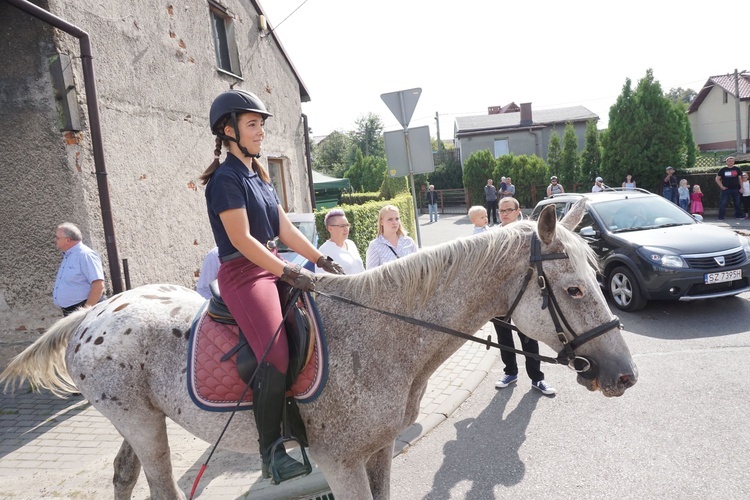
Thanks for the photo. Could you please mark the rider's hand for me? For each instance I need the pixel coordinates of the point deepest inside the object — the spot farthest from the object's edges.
(299, 278)
(327, 264)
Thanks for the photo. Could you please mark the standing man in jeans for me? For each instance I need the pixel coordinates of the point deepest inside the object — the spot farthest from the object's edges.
(669, 186)
(80, 279)
(510, 212)
(490, 197)
(729, 180)
(432, 203)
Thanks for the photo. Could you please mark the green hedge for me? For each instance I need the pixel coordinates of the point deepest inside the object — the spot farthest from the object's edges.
(364, 219)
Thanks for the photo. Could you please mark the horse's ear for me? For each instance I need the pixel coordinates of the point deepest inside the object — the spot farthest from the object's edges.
(547, 223)
(574, 215)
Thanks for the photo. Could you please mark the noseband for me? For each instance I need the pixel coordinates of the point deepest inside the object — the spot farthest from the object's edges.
(569, 339)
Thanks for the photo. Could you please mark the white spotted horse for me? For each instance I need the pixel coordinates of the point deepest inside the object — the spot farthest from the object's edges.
(127, 355)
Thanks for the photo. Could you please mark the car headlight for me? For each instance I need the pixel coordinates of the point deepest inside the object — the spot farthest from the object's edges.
(660, 257)
(745, 246)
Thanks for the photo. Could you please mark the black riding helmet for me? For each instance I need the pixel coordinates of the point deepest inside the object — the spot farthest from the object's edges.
(227, 106)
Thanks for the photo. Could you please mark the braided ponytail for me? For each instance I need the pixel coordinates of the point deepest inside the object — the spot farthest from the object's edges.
(206, 175)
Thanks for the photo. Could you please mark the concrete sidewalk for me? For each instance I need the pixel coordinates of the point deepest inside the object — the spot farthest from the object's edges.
(54, 448)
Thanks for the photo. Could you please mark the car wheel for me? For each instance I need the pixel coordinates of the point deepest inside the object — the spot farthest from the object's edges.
(624, 289)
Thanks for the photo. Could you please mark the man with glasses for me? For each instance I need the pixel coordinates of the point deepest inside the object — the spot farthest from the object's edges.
(510, 212)
(80, 279)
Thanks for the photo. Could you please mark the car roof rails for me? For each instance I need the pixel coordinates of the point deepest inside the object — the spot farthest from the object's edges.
(620, 189)
(561, 195)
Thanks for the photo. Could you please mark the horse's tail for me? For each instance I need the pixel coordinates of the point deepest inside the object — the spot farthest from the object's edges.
(43, 362)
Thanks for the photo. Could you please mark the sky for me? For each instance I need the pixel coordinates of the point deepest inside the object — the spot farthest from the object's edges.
(472, 54)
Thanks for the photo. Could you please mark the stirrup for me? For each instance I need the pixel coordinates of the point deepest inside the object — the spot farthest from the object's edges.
(273, 471)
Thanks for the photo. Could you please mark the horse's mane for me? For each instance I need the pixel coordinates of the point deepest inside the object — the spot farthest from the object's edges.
(418, 275)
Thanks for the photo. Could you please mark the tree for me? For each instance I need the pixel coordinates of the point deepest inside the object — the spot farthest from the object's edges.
(681, 95)
(529, 174)
(554, 153)
(331, 155)
(447, 175)
(591, 156)
(367, 173)
(569, 169)
(368, 136)
(477, 169)
(646, 133)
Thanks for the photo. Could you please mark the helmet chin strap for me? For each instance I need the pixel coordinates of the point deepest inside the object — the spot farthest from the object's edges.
(236, 139)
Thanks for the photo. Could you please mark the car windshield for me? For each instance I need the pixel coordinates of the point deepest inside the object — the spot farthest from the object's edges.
(306, 227)
(634, 214)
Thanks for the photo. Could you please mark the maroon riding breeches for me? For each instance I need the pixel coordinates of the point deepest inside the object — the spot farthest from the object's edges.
(250, 293)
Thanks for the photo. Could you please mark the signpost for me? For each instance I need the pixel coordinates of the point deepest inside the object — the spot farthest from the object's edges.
(407, 151)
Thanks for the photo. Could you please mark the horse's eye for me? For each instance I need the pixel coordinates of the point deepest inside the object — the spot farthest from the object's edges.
(575, 292)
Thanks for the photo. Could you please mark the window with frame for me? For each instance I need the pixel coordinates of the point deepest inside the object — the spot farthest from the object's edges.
(726, 97)
(501, 147)
(225, 44)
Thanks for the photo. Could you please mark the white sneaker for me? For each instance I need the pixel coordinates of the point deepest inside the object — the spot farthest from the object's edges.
(542, 386)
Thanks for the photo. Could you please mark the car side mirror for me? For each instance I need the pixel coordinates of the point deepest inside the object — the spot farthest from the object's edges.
(697, 217)
(589, 232)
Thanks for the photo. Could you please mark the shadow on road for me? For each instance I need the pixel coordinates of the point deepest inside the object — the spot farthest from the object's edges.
(687, 320)
(24, 416)
(502, 434)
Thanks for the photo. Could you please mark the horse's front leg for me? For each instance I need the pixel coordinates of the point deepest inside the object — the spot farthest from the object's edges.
(127, 469)
(347, 479)
(379, 473)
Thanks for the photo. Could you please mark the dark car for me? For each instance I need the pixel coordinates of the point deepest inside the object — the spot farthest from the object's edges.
(651, 249)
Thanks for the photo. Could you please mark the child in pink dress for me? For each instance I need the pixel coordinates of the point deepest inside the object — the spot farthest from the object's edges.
(696, 200)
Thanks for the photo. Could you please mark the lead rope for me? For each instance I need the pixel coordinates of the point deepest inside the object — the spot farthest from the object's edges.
(290, 306)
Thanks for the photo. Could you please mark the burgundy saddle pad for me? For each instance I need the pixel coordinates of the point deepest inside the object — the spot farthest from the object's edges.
(215, 385)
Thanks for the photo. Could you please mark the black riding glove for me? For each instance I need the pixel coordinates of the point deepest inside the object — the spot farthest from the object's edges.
(329, 265)
(299, 278)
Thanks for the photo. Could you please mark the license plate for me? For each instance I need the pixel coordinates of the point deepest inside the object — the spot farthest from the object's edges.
(722, 276)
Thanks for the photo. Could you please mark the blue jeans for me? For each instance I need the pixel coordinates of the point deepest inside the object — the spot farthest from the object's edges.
(684, 203)
(735, 195)
(671, 194)
(433, 211)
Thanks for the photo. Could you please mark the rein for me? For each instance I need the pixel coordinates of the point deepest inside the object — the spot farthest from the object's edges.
(584, 366)
(443, 329)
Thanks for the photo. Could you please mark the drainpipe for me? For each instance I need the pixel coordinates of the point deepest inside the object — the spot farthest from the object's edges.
(95, 129)
(309, 161)
(537, 146)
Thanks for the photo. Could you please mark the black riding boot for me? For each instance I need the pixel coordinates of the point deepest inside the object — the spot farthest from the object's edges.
(268, 405)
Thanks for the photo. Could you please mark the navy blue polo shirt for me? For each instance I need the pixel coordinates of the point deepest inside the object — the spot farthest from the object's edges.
(233, 185)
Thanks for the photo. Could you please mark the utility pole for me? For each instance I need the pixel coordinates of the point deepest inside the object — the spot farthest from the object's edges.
(437, 121)
(737, 109)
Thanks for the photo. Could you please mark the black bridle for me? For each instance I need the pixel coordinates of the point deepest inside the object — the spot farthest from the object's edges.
(586, 367)
(567, 336)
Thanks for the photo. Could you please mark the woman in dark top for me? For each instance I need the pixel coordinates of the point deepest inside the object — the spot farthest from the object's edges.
(246, 219)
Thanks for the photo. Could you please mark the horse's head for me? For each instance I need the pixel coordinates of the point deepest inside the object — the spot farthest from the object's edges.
(563, 306)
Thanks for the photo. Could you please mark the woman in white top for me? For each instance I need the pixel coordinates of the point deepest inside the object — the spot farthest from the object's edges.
(629, 183)
(391, 242)
(339, 247)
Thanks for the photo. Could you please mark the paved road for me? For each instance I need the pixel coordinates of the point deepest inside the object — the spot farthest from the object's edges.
(681, 433)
